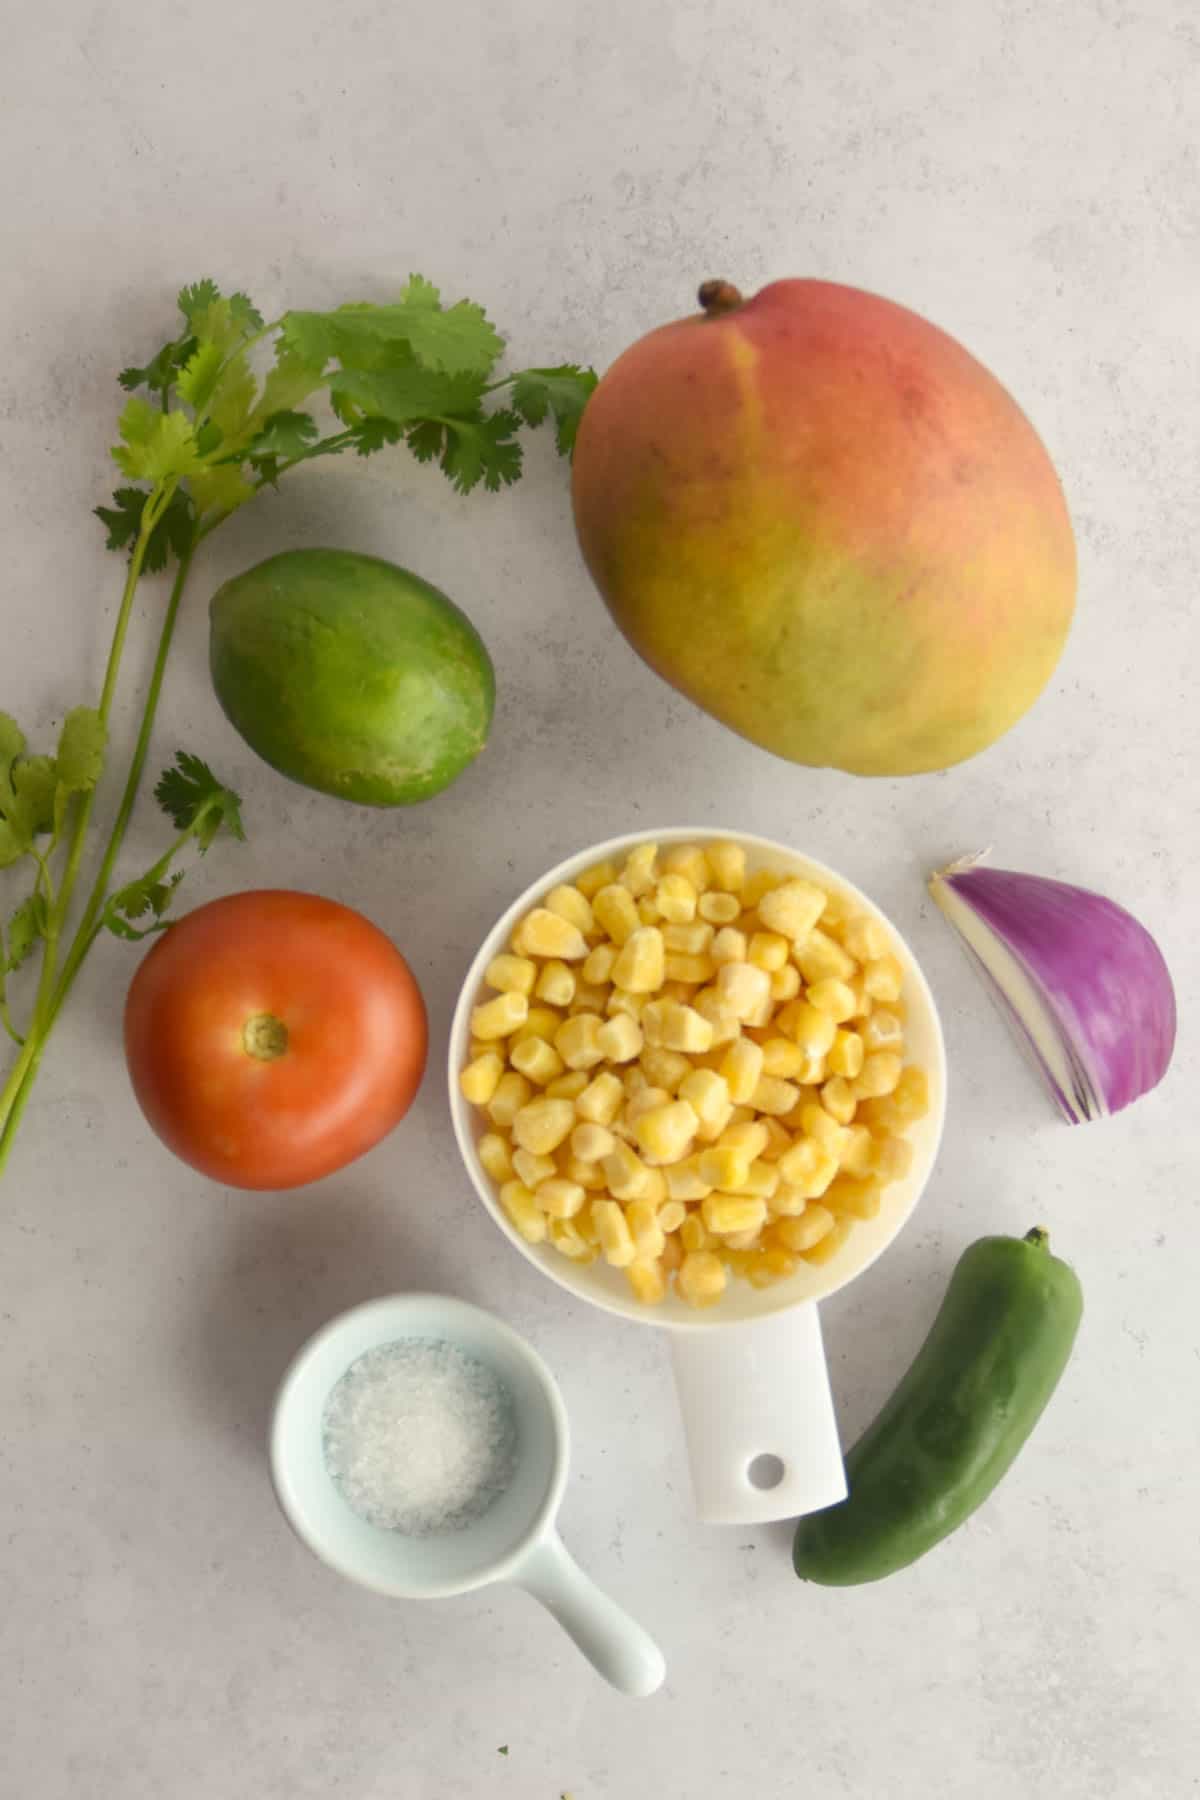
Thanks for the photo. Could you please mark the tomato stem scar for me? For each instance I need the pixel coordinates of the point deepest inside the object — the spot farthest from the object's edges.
(264, 1037)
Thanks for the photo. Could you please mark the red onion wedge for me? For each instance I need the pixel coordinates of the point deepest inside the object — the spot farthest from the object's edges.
(1084, 985)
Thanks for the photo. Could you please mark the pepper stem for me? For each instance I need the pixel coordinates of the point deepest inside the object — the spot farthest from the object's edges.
(718, 297)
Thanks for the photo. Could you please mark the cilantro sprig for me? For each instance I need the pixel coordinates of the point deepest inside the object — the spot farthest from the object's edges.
(226, 408)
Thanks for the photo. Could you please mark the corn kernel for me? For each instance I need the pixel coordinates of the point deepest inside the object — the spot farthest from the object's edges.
(602, 874)
(689, 861)
(709, 1004)
(676, 899)
(571, 905)
(589, 1175)
(833, 998)
(639, 967)
(601, 1099)
(496, 1156)
(782, 1057)
(556, 984)
(634, 1081)
(531, 1169)
(758, 883)
(671, 1215)
(816, 1123)
(638, 875)
(792, 909)
(729, 946)
(767, 950)
(912, 1093)
(589, 998)
(625, 1172)
(665, 1068)
(814, 1223)
(725, 1213)
(545, 933)
(672, 1254)
(648, 1236)
(687, 940)
(684, 1181)
(846, 1053)
(786, 1202)
(476, 1047)
(879, 1075)
(853, 1199)
(808, 1167)
(859, 1152)
(726, 865)
(779, 1139)
(566, 1087)
(540, 1021)
(648, 1281)
(621, 1002)
(724, 1166)
(648, 911)
(882, 1031)
(883, 979)
(511, 974)
(865, 938)
(762, 1178)
(512, 1093)
(742, 1068)
(675, 1027)
(719, 909)
(480, 1078)
(701, 1278)
(692, 1233)
(500, 1017)
(893, 1158)
(743, 988)
(524, 1211)
(707, 1093)
(821, 958)
(774, 1096)
(664, 1134)
(643, 1100)
(591, 1142)
(561, 1199)
(613, 1233)
(773, 1265)
(749, 1134)
(827, 1248)
(537, 1059)
(785, 984)
(598, 967)
(568, 1240)
(838, 1099)
(541, 1125)
(618, 1039)
(691, 970)
(577, 1041)
(585, 1225)
(615, 912)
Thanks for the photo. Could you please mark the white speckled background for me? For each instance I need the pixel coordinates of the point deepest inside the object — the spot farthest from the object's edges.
(1028, 177)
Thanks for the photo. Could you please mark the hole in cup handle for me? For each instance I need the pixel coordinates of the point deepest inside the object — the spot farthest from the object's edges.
(760, 1382)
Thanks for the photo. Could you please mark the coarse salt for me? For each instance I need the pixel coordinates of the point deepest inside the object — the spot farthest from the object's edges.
(419, 1437)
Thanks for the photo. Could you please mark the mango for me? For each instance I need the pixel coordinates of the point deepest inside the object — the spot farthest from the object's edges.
(821, 519)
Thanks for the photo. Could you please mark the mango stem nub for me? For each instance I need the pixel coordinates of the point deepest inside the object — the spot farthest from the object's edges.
(718, 297)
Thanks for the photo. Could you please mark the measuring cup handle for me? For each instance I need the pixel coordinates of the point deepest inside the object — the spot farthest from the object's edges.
(759, 1390)
(614, 1644)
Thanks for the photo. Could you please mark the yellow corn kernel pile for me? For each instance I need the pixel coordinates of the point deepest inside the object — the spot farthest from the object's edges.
(693, 1070)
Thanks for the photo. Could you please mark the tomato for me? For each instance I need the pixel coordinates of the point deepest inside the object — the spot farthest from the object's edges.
(273, 1037)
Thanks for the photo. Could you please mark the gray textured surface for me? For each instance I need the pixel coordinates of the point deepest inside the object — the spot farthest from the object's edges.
(1028, 177)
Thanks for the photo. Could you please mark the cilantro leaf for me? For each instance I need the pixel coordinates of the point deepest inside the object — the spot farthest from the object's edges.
(245, 314)
(406, 393)
(150, 893)
(196, 801)
(233, 399)
(26, 927)
(198, 377)
(82, 742)
(482, 449)
(156, 445)
(196, 299)
(33, 781)
(222, 488)
(12, 741)
(289, 383)
(160, 371)
(563, 391)
(286, 435)
(173, 533)
(375, 434)
(460, 340)
(419, 292)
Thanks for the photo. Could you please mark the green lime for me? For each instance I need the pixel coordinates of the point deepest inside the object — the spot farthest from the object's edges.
(351, 675)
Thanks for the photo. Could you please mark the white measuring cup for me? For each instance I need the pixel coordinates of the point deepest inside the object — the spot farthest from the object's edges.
(514, 1541)
(750, 1373)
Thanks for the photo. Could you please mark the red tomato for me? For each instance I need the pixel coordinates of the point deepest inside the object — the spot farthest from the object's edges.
(273, 1037)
